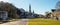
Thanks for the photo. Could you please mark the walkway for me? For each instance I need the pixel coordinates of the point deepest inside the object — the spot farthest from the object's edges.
(19, 22)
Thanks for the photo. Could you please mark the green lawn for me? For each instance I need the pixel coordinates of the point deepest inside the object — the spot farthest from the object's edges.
(43, 22)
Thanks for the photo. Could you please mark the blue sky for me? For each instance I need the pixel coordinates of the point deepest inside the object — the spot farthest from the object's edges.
(39, 6)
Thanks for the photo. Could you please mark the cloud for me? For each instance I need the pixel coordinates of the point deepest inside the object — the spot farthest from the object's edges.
(5, 0)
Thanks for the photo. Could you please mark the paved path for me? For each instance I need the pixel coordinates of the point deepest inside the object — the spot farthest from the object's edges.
(19, 22)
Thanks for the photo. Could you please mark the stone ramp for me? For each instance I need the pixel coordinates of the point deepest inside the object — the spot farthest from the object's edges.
(19, 22)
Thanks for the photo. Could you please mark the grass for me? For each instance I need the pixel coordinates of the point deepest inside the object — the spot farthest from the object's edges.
(43, 22)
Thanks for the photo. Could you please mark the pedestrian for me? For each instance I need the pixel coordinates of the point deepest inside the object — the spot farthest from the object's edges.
(57, 18)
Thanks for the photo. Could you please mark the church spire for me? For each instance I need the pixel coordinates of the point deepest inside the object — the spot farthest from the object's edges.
(30, 8)
(33, 11)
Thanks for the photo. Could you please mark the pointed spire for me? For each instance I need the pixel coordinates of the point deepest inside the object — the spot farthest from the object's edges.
(30, 8)
(33, 11)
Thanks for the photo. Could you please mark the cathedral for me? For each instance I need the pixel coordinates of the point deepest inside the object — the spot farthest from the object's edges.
(31, 14)
(28, 14)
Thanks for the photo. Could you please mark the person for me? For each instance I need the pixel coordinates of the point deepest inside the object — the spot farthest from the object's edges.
(57, 18)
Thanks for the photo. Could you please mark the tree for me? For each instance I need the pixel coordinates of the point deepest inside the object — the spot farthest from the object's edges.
(18, 11)
(57, 5)
(10, 8)
(53, 10)
(47, 15)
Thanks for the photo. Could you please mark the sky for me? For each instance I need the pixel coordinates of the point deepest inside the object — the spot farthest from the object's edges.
(39, 6)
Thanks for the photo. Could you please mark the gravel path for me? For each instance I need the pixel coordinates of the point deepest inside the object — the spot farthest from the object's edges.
(19, 22)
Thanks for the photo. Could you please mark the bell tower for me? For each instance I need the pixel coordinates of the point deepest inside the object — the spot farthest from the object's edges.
(30, 14)
(29, 8)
